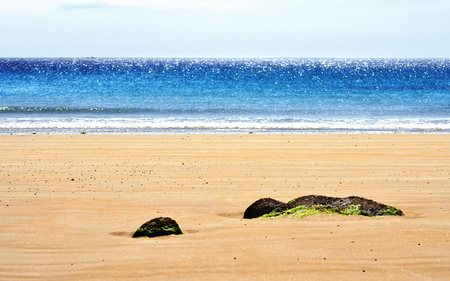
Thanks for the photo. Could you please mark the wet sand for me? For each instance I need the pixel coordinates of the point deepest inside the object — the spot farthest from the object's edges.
(70, 203)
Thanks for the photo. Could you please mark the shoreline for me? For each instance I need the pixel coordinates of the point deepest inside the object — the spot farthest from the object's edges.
(70, 202)
(214, 131)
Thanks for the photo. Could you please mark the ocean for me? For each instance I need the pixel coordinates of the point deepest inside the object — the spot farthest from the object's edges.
(152, 95)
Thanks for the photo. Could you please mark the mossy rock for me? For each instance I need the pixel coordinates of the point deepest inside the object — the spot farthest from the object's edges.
(312, 200)
(316, 204)
(161, 226)
(371, 208)
(264, 206)
(296, 212)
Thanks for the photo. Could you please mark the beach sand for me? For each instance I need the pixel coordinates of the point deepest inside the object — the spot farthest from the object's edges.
(70, 203)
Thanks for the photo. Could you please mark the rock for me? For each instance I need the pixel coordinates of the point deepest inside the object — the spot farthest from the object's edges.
(158, 227)
(264, 206)
(371, 208)
(312, 200)
(341, 204)
(352, 205)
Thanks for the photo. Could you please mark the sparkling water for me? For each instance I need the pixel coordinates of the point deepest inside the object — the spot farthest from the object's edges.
(107, 95)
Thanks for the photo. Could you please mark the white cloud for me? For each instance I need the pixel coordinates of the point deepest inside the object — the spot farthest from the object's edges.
(45, 5)
(183, 4)
(87, 5)
(37, 5)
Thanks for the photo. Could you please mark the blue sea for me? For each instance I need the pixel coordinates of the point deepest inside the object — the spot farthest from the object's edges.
(147, 95)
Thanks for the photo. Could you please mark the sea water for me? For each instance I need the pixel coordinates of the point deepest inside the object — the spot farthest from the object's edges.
(140, 95)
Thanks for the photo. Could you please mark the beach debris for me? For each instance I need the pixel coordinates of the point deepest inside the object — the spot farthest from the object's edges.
(264, 206)
(161, 226)
(315, 204)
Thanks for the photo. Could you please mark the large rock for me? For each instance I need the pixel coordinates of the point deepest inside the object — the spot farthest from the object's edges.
(366, 206)
(158, 227)
(264, 206)
(352, 205)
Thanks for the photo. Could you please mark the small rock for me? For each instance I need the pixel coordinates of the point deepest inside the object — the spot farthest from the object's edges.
(158, 227)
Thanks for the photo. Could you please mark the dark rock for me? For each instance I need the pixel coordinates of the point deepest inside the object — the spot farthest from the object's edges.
(372, 208)
(312, 200)
(341, 204)
(264, 206)
(347, 206)
(158, 227)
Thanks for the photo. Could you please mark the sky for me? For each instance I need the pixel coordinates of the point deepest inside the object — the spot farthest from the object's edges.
(225, 28)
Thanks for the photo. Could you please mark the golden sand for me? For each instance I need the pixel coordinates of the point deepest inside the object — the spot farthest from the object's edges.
(70, 203)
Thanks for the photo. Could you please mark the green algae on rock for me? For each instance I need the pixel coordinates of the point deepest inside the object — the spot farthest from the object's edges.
(296, 212)
(305, 211)
(161, 226)
(316, 204)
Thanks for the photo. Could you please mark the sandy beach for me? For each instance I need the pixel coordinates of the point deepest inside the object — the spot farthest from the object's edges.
(70, 203)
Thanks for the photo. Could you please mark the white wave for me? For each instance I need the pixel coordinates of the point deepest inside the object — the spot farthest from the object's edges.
(55, 124)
